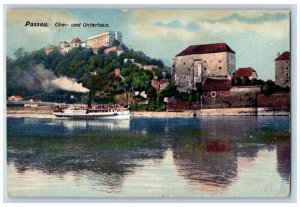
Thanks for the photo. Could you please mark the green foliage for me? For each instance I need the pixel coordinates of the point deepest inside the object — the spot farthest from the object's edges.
(81, 64)
(245, 81)
(19, 52)
(115, 43)
(269, 87)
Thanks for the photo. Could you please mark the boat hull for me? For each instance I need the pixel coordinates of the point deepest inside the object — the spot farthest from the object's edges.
(118, 115)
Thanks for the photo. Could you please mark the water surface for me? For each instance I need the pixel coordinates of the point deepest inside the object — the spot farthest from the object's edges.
(149, 157)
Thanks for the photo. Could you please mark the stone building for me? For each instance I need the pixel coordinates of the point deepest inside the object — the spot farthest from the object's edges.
(64, 47)
(49, 49)
(283, 69)
(76, 42)
(198, 62)
(245, 72)
(159, 84)
(215, 87)
(104, 39)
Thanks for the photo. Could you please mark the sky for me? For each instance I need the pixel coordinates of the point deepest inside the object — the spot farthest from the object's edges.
(255, 35)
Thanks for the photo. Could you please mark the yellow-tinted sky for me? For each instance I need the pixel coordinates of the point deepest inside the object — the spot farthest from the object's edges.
(255, 35)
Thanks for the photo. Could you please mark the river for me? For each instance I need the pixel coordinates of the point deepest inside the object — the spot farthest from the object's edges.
(149, 157)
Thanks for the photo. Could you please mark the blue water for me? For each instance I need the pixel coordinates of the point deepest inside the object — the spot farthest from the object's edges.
(149, 157)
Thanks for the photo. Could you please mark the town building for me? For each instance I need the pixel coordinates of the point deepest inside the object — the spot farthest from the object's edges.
(76, 42)
(15, 98)
(215, 87)
(283, 69)
(117, 49)
(159, 84)
(245, 72)
(198, 62)
(64, 47)
(150, 67)
(104, 39)
(49, 49)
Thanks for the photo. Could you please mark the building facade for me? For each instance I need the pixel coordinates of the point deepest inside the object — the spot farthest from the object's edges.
(64, 47)
(104, 39)
(198, 62)
(215, 87)
(283, 69)
(76, 42)
(245, 72)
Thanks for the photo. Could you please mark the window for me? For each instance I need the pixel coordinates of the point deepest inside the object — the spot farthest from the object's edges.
(286, 62)
(287, 74)
(286, 81)
(183, 63)
(220, 61)
(204, 68)
(286, 68)
(213, 94)
(220, 68)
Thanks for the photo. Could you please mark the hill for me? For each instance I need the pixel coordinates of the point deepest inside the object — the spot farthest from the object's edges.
(29, 74)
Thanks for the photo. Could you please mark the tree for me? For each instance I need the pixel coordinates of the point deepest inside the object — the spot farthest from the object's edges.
(246, 81)
(19, 52)
(115, 43)
(236, 81)
(268, 87)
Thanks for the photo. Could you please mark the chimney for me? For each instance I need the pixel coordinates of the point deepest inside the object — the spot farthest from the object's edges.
(90, 100)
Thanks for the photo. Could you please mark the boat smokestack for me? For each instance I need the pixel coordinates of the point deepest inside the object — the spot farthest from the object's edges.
(90, 100)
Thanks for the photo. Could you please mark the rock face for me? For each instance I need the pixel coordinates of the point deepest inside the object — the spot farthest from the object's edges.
(283, 70)
(198, 62)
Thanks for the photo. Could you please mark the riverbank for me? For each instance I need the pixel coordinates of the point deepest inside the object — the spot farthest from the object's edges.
(215, 112)
(46, 112)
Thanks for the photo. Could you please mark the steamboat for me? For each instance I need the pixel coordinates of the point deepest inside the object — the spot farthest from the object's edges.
(102, 111)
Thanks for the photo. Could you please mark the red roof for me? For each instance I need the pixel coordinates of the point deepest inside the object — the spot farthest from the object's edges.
(204, 49)
(244, 72)
(212, 84)
(76, 40)
(284, 56)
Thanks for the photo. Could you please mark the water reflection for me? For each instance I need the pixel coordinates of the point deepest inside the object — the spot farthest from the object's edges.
(206, 164)
(209, 159)
(208, 153)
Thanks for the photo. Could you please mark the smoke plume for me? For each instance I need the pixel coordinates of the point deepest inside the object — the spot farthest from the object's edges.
(40, 78)
(68, 84)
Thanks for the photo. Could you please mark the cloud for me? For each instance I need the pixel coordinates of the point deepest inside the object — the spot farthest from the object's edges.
(265, 17)
(176, 24)
(199, 24)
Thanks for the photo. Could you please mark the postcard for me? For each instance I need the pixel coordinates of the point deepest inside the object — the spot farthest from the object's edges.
(174, 103)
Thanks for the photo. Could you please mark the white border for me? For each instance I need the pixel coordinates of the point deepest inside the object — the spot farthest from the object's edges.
(175, 4)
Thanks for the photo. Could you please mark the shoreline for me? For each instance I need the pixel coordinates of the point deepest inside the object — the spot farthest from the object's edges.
(46, 114)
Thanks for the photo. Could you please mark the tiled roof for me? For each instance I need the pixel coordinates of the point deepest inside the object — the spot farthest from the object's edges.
(76, 40)
(204, 49)
(212, 84)
(243, 72)
(284, 56)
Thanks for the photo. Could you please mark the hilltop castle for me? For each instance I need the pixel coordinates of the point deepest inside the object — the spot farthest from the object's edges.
(95, 42)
